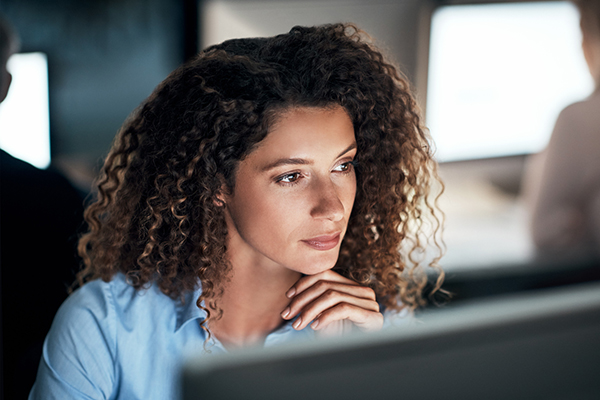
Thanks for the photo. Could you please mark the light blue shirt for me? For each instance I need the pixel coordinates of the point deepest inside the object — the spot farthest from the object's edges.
(110, 341)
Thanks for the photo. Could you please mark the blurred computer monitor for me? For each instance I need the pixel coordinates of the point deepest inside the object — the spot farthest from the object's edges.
(498, 74)
(542, 345)
(24, 114)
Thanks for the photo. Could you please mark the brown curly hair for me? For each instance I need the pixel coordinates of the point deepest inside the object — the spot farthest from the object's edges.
(157, 217)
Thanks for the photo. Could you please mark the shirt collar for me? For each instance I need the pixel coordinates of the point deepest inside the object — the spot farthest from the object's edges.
(285, 332)
(188, 310)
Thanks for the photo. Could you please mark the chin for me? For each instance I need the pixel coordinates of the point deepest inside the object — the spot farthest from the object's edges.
(319, 265)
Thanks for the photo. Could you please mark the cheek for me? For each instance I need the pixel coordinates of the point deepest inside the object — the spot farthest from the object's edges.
(262, 216)
(283, 215)
(348, 195)
(270, 216)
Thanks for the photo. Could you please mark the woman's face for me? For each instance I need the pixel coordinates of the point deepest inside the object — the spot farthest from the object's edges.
(294, 193)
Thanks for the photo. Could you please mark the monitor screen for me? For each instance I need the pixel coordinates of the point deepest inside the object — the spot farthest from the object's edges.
(499, 74)
(537, 345)
(24, 114)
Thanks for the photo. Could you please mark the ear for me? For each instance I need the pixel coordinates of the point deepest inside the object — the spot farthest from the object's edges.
(220, 199)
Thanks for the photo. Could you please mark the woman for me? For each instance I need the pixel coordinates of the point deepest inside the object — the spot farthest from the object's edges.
(261, 193)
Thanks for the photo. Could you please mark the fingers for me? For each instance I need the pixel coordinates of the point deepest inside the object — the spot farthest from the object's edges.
(308, 281)
(325, 294)
(332, 298)
(328, 297)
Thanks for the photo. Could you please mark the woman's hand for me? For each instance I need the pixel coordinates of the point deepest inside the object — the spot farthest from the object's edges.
(330, 301)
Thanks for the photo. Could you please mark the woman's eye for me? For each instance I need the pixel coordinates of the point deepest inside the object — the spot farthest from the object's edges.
(345, 167)
(289, 178)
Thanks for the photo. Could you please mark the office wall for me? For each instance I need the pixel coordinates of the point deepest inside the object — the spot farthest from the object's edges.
(393, 24)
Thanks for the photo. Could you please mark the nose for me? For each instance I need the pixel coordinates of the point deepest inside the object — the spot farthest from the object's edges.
(327, 204)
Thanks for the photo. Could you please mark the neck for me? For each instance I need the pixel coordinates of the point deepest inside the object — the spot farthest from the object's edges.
(253, 299)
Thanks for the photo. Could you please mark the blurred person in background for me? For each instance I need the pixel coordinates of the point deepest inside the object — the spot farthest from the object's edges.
(562, 183)
(40, 212)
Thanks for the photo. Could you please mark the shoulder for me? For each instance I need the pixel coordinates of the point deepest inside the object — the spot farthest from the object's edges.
(582, 110)
(97, 299)
(99, 327)
(90, 318)
(576, 128)
(90, 305)
(114, 305)
(78, 359)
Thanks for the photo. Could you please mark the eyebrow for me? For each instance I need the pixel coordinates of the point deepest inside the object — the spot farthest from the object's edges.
(300, 161)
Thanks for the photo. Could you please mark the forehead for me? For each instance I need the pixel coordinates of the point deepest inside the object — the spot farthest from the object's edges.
(308, 130)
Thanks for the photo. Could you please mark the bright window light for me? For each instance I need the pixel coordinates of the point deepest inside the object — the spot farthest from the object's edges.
(24, 116)
(499, 74)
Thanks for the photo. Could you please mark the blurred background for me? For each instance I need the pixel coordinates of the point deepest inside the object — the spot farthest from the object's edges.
(491, 78)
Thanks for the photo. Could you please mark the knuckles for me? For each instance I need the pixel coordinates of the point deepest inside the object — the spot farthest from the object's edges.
(368, 293)
(323, 289)
(346, 308)
(330, 294)
(321, 285)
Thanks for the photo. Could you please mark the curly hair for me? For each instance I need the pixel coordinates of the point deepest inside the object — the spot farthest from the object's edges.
(157, 217)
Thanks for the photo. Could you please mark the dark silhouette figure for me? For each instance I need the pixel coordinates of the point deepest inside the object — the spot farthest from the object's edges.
(40, 212)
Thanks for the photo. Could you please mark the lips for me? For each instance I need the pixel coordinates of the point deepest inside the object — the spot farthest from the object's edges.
(324, 242)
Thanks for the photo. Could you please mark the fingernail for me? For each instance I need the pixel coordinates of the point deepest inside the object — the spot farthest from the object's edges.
(285, 312)
(297, 323)
(291, 293)
(315, 324)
